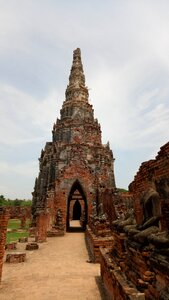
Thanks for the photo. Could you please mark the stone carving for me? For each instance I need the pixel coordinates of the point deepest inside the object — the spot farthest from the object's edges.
(137, 265)
(59, 221)
(125, 222)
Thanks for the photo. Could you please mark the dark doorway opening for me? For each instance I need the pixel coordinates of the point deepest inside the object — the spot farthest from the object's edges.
(76, 209)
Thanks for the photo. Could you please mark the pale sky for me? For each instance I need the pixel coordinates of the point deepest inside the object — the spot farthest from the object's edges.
(125, 54)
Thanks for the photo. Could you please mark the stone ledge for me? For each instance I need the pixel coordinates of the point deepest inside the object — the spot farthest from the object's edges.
(55, 233)
(16, 257)
(32, 246)
(94, 242)
(116, 284)
(23, 240)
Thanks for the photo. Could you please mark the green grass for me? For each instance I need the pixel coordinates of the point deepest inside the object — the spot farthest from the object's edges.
(16, 223)
(14, 236)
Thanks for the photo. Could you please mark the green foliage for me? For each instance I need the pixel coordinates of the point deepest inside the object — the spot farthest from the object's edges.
(16, 202)
(2, 200)
(121, 190)
(26, 203)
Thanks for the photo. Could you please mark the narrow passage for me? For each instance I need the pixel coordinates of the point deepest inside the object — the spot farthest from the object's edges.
(58, 270)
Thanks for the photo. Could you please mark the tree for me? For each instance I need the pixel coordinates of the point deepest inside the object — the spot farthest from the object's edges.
(17, 202)
(2, 200)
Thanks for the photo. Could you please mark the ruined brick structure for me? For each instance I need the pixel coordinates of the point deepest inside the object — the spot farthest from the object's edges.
(137, 265)
(21, 213)
(75, 167)
(17, 212)
(4, 216)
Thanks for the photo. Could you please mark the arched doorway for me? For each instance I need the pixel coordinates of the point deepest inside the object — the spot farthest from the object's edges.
(76, 208)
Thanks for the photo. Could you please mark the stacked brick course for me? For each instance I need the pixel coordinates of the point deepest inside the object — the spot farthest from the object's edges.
(139, 257)
(4, 216)
(16, 257)
(41, 227)
(76, 161)
(17, 212)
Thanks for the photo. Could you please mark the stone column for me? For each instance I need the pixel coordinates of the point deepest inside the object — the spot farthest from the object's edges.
(4, 216)
(23, 221)
(41, 225)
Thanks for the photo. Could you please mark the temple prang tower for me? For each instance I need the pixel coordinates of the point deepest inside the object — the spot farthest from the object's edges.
(75, 167)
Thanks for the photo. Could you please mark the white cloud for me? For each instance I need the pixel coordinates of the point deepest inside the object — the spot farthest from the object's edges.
(23, 116)
(125, 54)
(17, 179)
(133, 119)
(28, 168)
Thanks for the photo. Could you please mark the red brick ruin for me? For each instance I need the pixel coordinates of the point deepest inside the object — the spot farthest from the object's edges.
(127, 233)
(137, 264)
(75, 167)
(4, 216)
(21, 213)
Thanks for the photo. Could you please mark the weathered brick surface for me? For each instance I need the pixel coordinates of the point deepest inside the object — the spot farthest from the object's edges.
(32, 246)
(41, 227)
(11, 246)
(94, 242)
(4, 216)
(16, 257)
(116, 284)
(75, 160)
(18, 212)
(152, 176)
(23, 240)
(139, 256)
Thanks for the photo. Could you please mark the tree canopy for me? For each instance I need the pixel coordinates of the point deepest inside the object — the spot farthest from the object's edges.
(15, 202)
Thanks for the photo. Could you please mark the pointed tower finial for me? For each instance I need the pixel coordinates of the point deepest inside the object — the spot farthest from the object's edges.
(76, 74)
(76, 90)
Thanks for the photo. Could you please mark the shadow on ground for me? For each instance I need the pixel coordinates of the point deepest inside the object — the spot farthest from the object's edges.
(75, 229)
(102, 291)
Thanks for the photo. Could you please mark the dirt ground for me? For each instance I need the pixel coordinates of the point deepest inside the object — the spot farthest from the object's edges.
(58, 270)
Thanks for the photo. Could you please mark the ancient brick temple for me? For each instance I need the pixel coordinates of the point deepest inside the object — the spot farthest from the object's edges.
(75, 167)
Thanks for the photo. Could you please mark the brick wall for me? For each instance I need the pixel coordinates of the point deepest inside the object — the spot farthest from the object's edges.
(4, 216)
(153, 177)
(137, 265)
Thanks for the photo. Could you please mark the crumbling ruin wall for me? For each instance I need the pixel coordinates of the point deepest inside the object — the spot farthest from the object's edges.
(107, 199)
(76, 159)
(150, 189)
(137, 265)
(16, 212)
(4, 216)
(21, 213)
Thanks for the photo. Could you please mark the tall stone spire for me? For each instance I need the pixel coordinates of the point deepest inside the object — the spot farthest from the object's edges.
(76, 90)
(75, 160)
(77, 77)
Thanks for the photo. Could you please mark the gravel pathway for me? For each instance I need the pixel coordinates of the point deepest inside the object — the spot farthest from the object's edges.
(58, 270)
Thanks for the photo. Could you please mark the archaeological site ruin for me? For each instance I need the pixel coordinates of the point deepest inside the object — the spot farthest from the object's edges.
(126, 233)
(75, 167)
